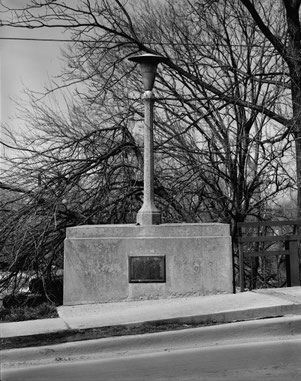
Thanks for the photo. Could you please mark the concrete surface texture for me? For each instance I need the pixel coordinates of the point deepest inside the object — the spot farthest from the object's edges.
(197, 256)
(206, 309)
(200, 309)
(226, 334)
(32, 327)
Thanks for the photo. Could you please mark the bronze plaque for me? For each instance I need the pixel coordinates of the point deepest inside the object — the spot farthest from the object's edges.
(147, 269)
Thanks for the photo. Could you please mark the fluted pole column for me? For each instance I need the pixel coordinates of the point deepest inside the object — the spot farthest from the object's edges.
(148, 214)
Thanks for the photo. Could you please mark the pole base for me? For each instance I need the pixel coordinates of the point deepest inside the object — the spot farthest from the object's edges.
(150, 217)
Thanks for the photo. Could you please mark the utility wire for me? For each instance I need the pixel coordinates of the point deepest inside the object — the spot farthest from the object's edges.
(35, 39)
(111, 42)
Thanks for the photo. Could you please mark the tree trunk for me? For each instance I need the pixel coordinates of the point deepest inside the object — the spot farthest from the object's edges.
(293, 58)
(298, 167)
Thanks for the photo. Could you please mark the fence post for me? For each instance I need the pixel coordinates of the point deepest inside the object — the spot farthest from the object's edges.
(287, 263)
(241, 268)
(294, 263)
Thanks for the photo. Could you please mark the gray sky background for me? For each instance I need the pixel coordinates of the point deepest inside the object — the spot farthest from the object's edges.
(26, 64)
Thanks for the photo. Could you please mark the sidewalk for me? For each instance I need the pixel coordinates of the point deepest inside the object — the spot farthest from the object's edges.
(200, 310)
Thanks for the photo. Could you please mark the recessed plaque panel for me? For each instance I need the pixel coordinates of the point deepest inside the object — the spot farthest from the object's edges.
(147, 269)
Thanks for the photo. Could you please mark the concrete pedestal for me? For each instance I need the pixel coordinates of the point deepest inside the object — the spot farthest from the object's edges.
(198, 261)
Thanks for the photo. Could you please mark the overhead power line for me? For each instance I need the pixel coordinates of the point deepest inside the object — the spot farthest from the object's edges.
(118, 42)
(35, 39)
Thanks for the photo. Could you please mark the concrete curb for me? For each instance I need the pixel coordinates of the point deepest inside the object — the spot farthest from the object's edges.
(251, 331)
(128, 318)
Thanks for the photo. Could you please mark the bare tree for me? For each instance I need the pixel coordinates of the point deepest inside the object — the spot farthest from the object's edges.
(222, 102)
(287, 47)
(67, 170)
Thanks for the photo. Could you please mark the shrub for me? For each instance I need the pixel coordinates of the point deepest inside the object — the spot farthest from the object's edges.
(25, 312)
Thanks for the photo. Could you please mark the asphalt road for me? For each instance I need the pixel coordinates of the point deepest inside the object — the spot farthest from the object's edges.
(269, 360)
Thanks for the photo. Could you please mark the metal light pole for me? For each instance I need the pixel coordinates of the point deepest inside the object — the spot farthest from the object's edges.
(148, 214)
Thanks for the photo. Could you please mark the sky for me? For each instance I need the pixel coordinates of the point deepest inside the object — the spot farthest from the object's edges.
(26, 64)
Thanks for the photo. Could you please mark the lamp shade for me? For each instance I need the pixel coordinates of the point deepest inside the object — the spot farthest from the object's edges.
(148, 65)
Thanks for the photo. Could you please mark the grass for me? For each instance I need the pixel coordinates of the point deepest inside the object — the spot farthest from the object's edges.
(21, 313)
